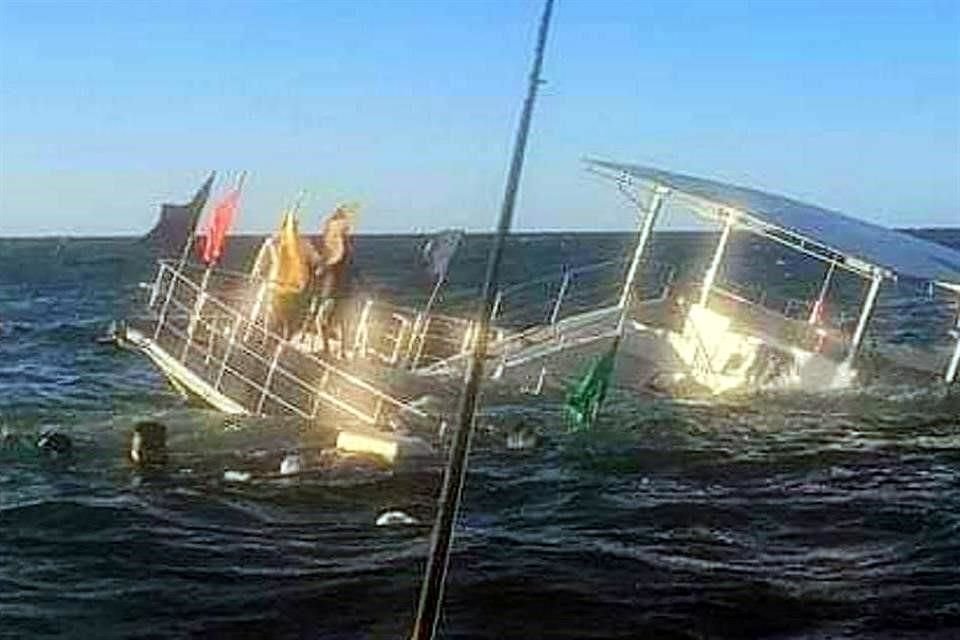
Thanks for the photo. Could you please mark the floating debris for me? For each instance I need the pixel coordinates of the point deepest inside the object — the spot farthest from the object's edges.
(395, 518)
(236, 476)
(291, 465)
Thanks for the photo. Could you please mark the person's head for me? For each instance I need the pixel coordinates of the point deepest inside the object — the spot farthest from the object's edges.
(8, 439)
(521, 435)
(148, 443)
(54, 445)
(344, 216)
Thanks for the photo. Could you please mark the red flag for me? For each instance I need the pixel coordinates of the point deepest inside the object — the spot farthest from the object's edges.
(215, 233)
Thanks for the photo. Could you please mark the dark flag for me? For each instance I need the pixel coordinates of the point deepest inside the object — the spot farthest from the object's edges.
(195, 207)
(437, 252)
(178, 222)
(586, 397)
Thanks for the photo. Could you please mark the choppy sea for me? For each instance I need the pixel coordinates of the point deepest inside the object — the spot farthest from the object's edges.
(774, 516)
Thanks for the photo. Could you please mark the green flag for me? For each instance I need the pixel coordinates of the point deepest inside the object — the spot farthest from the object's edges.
(585, 398)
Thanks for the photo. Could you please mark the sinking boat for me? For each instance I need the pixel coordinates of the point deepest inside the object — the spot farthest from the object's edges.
(396, 370)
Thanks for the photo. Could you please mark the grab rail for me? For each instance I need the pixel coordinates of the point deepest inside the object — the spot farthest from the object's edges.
(185, 304)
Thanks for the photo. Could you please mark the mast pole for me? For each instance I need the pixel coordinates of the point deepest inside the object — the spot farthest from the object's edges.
(419, 332)
(431, 594)
(186, 249)
(205, 280)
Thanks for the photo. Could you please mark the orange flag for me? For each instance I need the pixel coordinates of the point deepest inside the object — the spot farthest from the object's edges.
(291, 269)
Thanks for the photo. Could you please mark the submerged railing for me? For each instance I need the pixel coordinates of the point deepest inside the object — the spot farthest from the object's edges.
(231, 348)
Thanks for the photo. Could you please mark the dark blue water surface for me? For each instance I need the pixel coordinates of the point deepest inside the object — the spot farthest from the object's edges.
(781, 516)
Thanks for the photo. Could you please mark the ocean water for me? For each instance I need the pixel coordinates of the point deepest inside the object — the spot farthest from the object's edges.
(774, 516)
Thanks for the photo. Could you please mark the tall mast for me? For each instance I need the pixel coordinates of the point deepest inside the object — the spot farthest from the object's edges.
(431, 593)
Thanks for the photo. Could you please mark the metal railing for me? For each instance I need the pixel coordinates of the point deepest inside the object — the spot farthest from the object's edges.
(423, 339)
(549, 299)
(234, 352)
(758, 296)
(220, 330)
(538, 314)
(520, 310)
(388, 333)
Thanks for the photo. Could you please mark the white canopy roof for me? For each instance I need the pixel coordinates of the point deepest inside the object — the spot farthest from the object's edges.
(900, 253)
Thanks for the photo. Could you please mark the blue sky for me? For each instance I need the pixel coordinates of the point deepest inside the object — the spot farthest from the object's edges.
(109, 108)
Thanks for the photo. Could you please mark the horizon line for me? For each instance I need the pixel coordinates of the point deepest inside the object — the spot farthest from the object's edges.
(520, 232)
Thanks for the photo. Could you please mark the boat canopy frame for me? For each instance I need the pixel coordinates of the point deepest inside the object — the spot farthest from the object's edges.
(933, 260)
(746, 221)
(804, 227)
